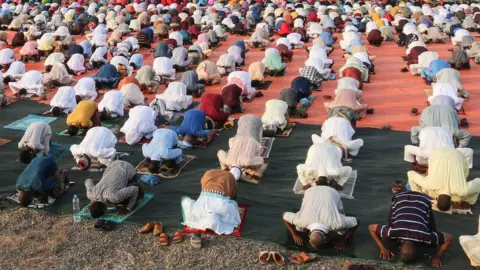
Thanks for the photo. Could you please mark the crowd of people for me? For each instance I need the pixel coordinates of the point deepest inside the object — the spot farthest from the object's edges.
(118, 36)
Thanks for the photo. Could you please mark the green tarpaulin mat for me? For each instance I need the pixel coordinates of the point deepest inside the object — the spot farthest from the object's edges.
(379, 163)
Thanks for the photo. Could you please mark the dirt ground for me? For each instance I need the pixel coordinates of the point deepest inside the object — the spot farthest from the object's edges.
(32, 239)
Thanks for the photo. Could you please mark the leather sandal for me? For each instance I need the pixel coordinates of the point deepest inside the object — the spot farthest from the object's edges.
(264, 257)
(157, 228)
(177, 237)
(302, 258)
(279, 260)
(164, 239)
(147, 228)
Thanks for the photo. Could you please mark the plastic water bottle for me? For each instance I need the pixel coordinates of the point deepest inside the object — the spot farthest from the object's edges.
(76, 210)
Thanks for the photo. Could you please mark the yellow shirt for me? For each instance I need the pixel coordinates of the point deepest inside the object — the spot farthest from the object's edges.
(82, 115)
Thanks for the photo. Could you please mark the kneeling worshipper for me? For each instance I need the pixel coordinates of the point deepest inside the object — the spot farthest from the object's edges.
(99, 57)
(146, 77)
(347, 98)
(226, 64)
(290, 96)
(258, 39)
(64, 101)
(312, 74)
(432, 138)
(431, 71)
(446, 89)
(470, 244)
(423, 61)
(324, 160)
(76, 64)
(245, 148)
(192, 128)
(35, 142)
(446, 179)
(208, 73)
(132, 94)
(14, 72)
(40, 179)
(29, 83)
(339, 132)
(441, 113)
(7, 56)
(354, 68)
(244, 81)
(273, 62)
(106, 77)
(99, 144)
(52, 59)
(117, 188)
(180, 59)
(57, 76)
(85, 88)
(275, 117)
(83, 116)
(216, 208)
(257, 73)
(140, 124)
(212, 105)
(232, 98)
(194, 88)
(319, 65)
(411, 223)
(459, 60)
(162, 151)
(322, 217)
(163, 66)
(451, 76)
(175, 96)
(29, 52)
(112, 105)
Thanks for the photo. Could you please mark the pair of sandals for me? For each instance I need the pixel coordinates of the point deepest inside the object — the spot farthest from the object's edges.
(177, 238)
(157, 229)
(265, 257)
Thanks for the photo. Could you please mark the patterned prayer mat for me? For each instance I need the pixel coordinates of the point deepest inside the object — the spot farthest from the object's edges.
(242, 210)
(112, 214)
(82, 132)
(58, 151)
(142, 141)
(23, 123)
(453, 210)
(267, 143)
(346, 193)
(4, 141)
(262, 86)
(253, 176)
(203, 143)
(36, 203)
(287, 131)
(142, 168)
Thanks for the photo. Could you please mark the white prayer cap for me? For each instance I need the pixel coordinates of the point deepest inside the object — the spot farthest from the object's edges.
(388, 8)
(344, 17)
(348, 9)
(154, 18)
(422, 28)
(151, 6)
(174, 6)
(117, 8)
(236, 172)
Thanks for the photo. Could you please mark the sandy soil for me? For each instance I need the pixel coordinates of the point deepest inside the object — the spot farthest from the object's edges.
(32, 239)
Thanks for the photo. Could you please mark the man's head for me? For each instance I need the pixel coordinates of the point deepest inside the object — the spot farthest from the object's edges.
(317, 239)
(84, 162)
(408, 252)
(72, 130)
(154, 166)
(26, 155)
(56, 111)
(322, 181)
(104, 115)
(25, 197)
(458, 65)
(189, 138)
(23, 92)
(444, 202)
(97, 209)
(78, 98)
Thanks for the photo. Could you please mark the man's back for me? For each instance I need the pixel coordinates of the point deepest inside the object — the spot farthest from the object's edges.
(35, 177)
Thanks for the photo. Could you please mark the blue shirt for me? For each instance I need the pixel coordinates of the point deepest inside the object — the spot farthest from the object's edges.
(38, 175)
(162, 146)
(192, 124)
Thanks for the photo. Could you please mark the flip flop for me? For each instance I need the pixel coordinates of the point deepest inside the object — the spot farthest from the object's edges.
(279, 260)
(264, 257)
(164, 239)
(196, 241)
(302, 258)
(147, 228)
(177, 237)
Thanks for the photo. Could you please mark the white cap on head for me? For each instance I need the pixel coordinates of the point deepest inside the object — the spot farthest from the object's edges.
(236, 172)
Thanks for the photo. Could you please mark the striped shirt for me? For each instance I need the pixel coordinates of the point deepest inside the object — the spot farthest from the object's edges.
(410, 220)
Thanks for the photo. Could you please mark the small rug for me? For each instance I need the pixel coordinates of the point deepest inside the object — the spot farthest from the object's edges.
(453, 210)
(49, 113)
(287, 131)
(267, 144)
(247, 100)
(242, 210)
(82, 132)
(4, 141)
(94, 167)
(248, 177)
(25, 122)
(200, 143)
(346, 193)
(142, 168)
(263, 86)
(142, 141)
(36, 203)
(112, 214)
(58, 151)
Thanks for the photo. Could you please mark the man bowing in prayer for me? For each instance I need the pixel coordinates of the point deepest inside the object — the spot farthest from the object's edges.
(117, 188)
(411, 223)
(99, 144)
(35, 141)
(141, 123)
(162, 151)
(323, 217)
(84, 116)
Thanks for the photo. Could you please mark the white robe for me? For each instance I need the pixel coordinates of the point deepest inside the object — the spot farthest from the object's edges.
(323, 159)
(295, 39)
(285, 41)
(246, 79)
(163, 66)
(140, 123)
(341, 129)
(175, 96)
(54, 58)
(274, 115)
(177, 36)
(16, 70)
(349, 83)
(37, 137)
(32, 81)
(226, 64)
(7, 56)
(319, 65)
(99, 55)
(99, 143)
(132, 94)
(113, 102)
(77, 63)
(64, 99)
(120, 60)
(99, 40)
(236, 52)
(85, 88)
(446, 89)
